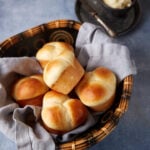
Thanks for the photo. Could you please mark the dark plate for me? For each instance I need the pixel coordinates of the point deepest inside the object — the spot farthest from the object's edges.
(120, 25)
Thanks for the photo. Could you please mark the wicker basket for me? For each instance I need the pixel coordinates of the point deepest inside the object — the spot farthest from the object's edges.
(28, 42)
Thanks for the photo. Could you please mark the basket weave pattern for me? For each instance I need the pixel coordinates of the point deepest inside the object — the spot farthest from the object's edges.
(27, 43)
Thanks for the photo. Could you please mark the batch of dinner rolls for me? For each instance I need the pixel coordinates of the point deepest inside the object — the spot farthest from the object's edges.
(62, 75)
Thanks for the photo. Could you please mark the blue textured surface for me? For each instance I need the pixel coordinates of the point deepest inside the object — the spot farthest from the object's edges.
(133, 131)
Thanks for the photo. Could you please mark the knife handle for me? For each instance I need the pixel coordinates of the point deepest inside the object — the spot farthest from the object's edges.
(108, 30)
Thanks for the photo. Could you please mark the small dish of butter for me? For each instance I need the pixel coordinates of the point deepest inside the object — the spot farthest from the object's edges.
(119, 16)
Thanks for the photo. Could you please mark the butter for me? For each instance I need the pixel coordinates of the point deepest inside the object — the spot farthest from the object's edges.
(119, 4)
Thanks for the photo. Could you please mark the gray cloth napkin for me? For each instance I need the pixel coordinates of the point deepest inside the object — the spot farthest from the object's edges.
(93, 48)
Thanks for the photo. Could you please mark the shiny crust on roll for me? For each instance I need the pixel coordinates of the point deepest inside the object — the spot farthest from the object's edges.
(62, 76)
(52, 50)
(97, 89)
(61, 114)
(29, 90)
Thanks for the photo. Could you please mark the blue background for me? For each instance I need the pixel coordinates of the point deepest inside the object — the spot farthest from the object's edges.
(133, 130)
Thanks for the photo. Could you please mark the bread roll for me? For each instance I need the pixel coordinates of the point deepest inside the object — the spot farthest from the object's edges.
(97, 89)
(62, 71)
(29, 90)
(61, 114)
(51, 50)
(62, 76)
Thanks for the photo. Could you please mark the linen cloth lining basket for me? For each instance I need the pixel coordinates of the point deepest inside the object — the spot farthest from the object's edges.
(28, 42)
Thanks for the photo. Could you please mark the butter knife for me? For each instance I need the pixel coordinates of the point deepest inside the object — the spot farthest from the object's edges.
(94, 14)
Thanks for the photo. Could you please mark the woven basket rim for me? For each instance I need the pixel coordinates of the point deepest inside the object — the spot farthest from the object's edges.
(96, 134)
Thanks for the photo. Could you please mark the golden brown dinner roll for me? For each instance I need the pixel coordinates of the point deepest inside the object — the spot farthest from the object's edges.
(51, 50)
(62, 76)
(61, 114)
(29, 90)
(62, 71)
(97, 89)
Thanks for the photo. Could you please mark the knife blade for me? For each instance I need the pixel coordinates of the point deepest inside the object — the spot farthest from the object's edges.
(94, 14)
